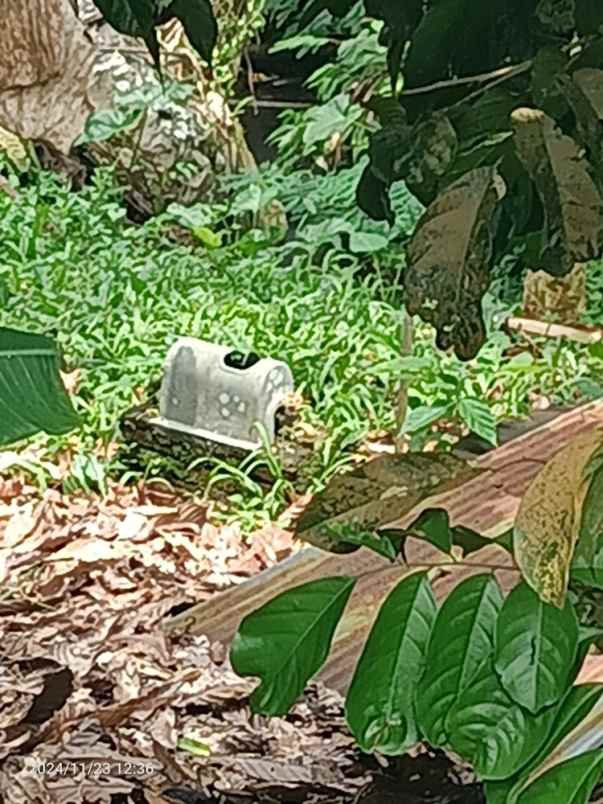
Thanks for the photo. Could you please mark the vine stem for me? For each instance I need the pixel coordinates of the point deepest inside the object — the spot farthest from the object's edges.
(439, 564)
(406, 345)
(502, 74)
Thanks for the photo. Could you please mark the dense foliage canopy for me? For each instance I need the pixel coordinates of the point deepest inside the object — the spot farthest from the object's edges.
(495, 127)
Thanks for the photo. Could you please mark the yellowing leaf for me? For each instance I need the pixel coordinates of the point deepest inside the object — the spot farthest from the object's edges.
(549, 517)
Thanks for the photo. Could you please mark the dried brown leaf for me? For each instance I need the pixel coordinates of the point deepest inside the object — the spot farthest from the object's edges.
(573, 207)
(449, 261)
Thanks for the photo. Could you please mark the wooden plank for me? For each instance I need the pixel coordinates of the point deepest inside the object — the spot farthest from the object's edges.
(487, 504)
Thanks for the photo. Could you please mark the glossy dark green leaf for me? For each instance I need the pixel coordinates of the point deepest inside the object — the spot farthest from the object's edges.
(32, 396)
(570, 782)
(338, 8)
(498, 792)
(487, 727)
(433, 525)
(376, 541)
(380, 702)
(372, 196)
(286, 641)
(199, 24)
(573, 709)
(589, 17)
(576, 705)
(536, 645)
(587, 563)
(469, 540)
(462, 635)
(129, 17)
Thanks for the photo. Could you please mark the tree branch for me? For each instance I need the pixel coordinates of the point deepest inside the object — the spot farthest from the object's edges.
(501, 74)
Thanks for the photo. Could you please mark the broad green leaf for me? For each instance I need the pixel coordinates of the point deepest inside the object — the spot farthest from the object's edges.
(199, 24)
(569, 714)
(498, 792)
(380, 702)
(479, 419)
(588, 556)
(378, 542)
(496, 734)
(32, 396)
(327, 120)
(587, 564)
(372, 196)
(338, 8)
(286, 641)
(536, 646)
(549, 516)
(367, 242)
(570, 782)
(462, 635)
(424, 416)
(389, 152)
(589, 17)
(378, 493)
(470, 541)
(129, 17)
(449, 261)
(566, 189)
(433, 525)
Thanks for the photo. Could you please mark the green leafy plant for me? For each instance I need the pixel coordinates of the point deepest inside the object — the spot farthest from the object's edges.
(32, 395)
(489, 677)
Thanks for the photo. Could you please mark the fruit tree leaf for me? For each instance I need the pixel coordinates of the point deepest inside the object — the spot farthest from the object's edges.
(587, 564)
(380, 701)
(589, 16)
(548, 520)
(573, 208)
(32, 396)
(129, 17)
(570, 782)
(462, 635)
(571, 713)
(496, 734)
(378, 493)
(199, 24)
(449, 261)
(433, 525)
(287, 640)
(372, 197)
(378, 541)
(536, 646)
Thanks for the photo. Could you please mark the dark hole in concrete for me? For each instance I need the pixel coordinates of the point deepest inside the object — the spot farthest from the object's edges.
(241, 360)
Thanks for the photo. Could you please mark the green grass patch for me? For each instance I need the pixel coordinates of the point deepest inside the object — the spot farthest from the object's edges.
(116, 296)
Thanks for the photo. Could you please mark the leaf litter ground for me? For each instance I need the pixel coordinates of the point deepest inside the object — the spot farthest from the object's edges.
(88, 676)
